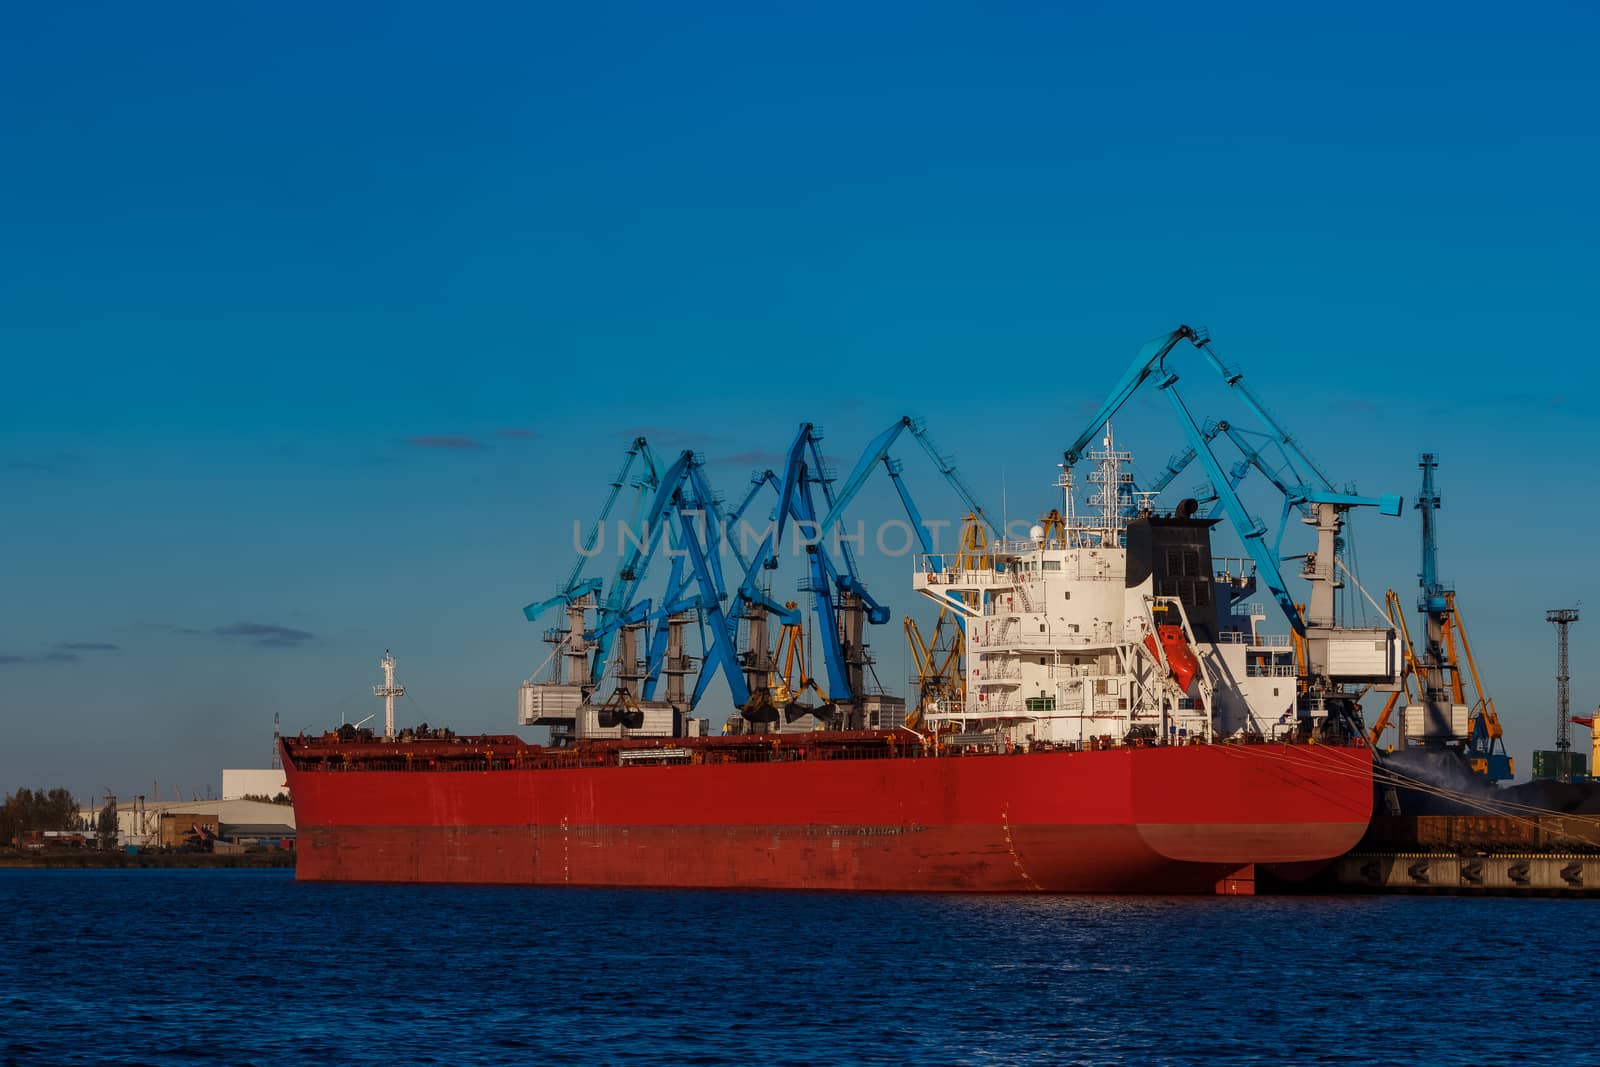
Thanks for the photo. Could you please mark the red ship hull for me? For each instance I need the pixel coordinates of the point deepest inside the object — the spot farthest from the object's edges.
(1121, 820)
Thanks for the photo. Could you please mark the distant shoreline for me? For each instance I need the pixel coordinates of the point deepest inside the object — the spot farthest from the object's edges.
(94, 859)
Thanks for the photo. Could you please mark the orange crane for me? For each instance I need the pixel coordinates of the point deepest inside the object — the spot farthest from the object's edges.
(1485, 748)
(940, 678)
(792, 652)
(938, 661)
(1408, 670)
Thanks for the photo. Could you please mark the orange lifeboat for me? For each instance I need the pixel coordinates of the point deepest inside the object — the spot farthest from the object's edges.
(1180, 657)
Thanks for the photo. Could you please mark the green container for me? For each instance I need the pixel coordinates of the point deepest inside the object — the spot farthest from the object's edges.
(1553, 763)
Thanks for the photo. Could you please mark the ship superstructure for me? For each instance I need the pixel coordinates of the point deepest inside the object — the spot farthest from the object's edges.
(1107, 629)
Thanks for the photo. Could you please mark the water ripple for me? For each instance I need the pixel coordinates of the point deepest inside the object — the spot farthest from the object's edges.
(248, 967)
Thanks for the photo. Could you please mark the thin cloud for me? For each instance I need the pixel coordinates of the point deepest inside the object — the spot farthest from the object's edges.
(517, 433)
(89, 646)
(8, 660)
(266, 634)
(446, 441)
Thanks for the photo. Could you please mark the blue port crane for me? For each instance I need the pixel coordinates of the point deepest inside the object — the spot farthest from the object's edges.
(675, 511)
(575, 587)
(1312, 489)
(877, 451)
(810, 511)
(796, 514)
(1178, 462)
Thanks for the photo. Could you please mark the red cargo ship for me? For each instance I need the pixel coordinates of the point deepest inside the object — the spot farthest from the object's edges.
(864, 811)
(1114, 722)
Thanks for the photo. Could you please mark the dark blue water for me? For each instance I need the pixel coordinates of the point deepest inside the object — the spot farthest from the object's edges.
(254, 968)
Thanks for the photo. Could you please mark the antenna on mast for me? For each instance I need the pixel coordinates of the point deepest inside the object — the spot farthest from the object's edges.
(1110, 497)
(277, 759)
(388, 691)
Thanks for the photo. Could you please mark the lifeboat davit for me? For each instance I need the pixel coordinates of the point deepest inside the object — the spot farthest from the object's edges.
(1180, 657)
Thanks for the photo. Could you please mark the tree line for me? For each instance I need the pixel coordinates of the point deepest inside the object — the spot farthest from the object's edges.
(38, 809)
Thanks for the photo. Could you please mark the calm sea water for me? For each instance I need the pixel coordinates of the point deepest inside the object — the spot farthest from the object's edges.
(251, 967)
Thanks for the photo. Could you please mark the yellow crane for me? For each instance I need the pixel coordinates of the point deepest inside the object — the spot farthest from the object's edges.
(940, 678)
(792, 653)
(777, 699)
(1485, 749)
(938, 662)
(1408, 669)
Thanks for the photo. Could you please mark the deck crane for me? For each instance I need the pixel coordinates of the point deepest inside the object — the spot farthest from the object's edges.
(1329, 646)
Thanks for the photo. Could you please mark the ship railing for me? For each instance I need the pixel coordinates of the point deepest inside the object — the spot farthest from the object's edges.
(1012, 548)
(654, 755)
(1233, 566)
(1269, 670)
(999, 668)
(933, 571)
(1242, 637)
(1026, 642)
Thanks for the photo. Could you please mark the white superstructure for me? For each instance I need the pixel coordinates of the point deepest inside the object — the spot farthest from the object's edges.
(1073, 634)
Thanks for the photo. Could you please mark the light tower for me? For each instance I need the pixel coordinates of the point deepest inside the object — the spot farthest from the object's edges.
(388, 691)
(1563, 618)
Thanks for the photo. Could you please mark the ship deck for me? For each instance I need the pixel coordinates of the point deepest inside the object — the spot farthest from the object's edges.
(493, 752)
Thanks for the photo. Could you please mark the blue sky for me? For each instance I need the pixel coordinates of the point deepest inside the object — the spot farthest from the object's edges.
(320, 327)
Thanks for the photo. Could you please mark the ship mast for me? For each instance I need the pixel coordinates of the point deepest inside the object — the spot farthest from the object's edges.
(1069, 527)
(1109, 497)
(388, 691)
